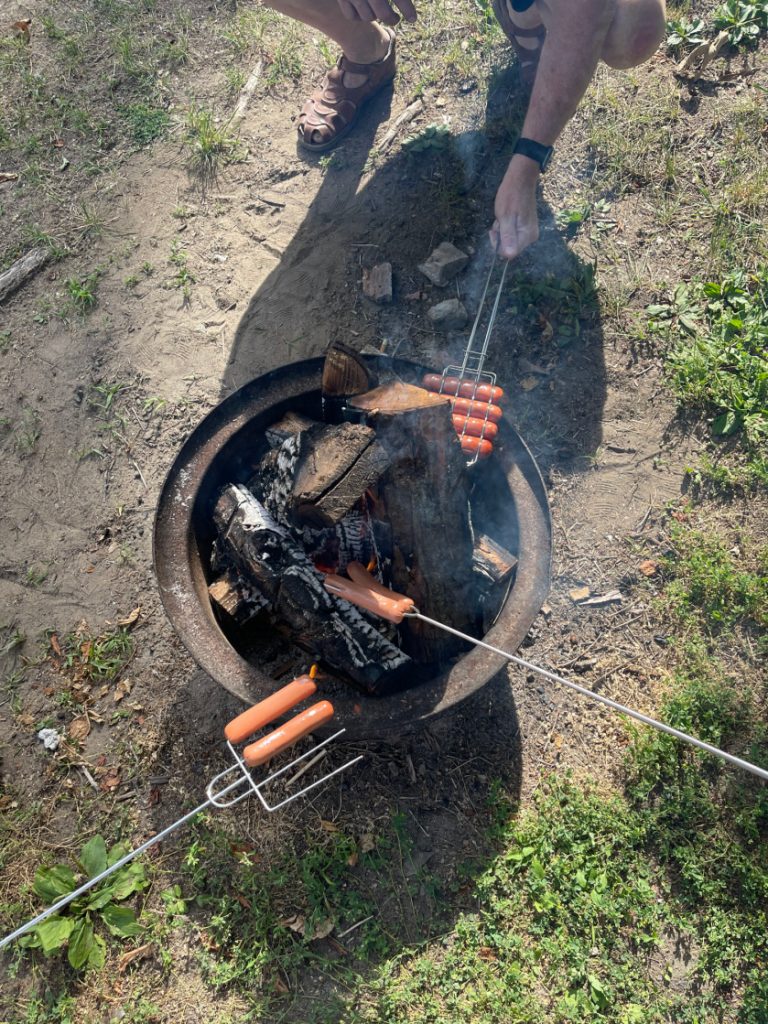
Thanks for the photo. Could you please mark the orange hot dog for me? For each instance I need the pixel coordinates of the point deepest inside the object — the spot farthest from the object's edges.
(483, 410)
(269, 709)
(360, 575)
(463, 388)
(286, 735)
(476, 445)
(364, 597)
(470, 425)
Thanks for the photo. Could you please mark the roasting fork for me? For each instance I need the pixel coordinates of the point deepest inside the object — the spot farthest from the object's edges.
(473, 389)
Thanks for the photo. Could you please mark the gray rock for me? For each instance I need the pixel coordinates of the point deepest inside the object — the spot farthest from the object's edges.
(444, 264)
(377, 283)
(448, 316)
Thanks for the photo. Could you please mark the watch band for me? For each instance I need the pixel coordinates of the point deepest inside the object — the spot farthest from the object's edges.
(534, 151)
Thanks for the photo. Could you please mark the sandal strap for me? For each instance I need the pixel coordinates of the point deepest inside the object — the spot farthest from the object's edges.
(334, 106)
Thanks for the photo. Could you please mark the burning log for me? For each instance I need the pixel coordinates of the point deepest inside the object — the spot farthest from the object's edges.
(234, 596)
(494, 566)
(421, 513)
(331, 630)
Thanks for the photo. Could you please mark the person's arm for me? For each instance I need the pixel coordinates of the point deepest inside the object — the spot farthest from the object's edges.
(569, 57)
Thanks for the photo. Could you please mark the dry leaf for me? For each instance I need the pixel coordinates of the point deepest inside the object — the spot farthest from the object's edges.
(8, 176)
(78, 729)
(279, 985)
(323, 929)
(7, 803)
(54, 642)
(486, 953)
(529, 383)
(110, 782)
(103, 691)
(154, 796)
(122, 689)
(134, 954)
(579, 594)
(367, 842)
(557, 739)
(297, 923)
(131, 619)
(244, 903)
(27, 721)
(648, 567)
(353, 858)
(22, 28)
(329, 826)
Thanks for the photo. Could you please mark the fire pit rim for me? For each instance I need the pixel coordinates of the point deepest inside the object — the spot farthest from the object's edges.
(183, 586)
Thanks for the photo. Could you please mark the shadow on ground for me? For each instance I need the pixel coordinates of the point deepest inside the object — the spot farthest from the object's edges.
(417, 815)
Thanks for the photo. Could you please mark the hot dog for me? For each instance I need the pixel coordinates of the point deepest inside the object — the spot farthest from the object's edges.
(286, 735)
(269, 709)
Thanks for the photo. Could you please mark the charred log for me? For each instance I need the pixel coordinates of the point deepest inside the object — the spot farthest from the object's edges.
(423, 502)
(330, 629)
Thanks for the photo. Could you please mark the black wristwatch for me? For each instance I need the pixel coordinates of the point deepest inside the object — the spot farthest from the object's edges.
(534, 151)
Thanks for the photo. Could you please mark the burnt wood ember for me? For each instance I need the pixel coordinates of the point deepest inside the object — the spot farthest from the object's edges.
(330, 629)
(421, 514)
(494, 566)
(236, 597)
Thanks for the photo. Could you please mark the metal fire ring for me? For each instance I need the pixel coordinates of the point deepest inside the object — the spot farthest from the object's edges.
(216, 453)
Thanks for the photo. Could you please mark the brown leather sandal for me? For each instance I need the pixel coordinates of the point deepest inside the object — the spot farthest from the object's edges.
(528, 58)
(333, 110)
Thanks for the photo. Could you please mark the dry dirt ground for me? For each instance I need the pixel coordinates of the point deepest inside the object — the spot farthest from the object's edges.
(204, 286)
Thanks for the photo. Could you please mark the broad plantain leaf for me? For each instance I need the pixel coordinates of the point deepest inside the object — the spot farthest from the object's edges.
(53, 883)
(81, 944)
(98, 953)
(128, 881)
(103, 895)
(54, 933)
(121, 921)
(93, 856)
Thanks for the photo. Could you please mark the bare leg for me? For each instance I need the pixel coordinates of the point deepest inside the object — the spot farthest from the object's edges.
(362, 41)
(636, 29)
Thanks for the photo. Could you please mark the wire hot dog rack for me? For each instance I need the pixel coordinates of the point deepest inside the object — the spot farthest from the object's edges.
(474, 392)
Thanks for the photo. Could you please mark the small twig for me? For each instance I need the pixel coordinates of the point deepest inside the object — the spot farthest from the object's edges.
(89, 777)
(247, 93)
(406, 117)
(310, 763)
(358, 925)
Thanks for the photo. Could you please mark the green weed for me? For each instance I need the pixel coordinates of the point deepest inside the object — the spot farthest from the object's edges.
(718, 362)
(73, 927)
(716, 582)
(208, 141)
(146, 123)
(88, 658)
(82, 291)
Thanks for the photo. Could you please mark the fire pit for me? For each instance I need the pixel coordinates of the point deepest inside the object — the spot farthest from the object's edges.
(509, 497)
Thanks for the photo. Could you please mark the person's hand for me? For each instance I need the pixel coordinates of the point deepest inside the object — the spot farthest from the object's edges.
(517, 222)
(378, 10)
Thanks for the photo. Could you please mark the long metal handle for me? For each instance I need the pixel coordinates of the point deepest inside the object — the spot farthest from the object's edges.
(478, 356)
(747, 766)
(66, 900)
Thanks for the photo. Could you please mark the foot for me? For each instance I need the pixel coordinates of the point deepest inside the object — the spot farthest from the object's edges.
(526, 41)
(333, 110)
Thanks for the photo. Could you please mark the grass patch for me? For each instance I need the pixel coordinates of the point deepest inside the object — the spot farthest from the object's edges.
(718, 359)
(146, 123)
(86, 658)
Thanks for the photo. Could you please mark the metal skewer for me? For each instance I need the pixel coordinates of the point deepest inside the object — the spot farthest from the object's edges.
(747, 766)
(395, 607)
